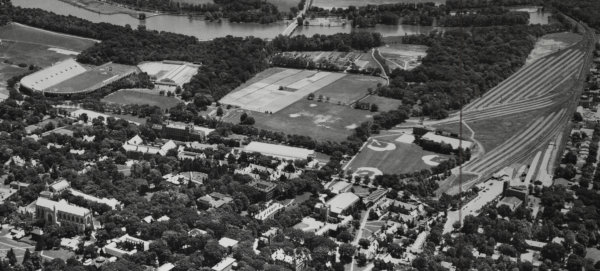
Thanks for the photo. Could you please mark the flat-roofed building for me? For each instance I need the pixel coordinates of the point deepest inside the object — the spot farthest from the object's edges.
(215, 200)
(279, 151)
(512, 202)
(58, 212)
(266, 188)
(226, 264)
(341, 204)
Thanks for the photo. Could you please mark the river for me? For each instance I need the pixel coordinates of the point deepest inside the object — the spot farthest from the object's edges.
(205, 30)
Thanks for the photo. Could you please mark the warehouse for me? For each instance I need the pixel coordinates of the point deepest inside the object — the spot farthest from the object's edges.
(279, 151)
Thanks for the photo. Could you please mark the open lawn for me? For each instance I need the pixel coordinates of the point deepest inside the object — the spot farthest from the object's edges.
(320, 120)
(383, 154)
(282, 5)
(384, 104)
(104, 7)
(30, 54)
(349, 89)
(493, 132)
(125, 97)
(403, 56)
(18, 32)
(18, 247)
(6, 72)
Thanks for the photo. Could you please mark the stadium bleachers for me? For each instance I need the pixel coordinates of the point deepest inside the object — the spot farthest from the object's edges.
(59, 72)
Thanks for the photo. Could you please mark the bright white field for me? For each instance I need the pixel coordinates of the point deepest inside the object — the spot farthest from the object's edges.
(265, 95)
(178, 73)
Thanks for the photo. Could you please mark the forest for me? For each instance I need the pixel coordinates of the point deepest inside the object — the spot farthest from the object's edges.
(485, 17)
(337, 42)
(585, 10)
(389, 14)
(488, 55)
(460, 4)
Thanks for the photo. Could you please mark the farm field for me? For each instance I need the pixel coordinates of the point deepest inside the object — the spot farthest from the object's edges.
(318, 120)
(279, 90)
(349, 89)
(125, 97)
(403, 56)
(392, 154)
(22, 33)
(282, 5)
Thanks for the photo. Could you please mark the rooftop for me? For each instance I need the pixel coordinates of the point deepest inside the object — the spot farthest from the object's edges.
(227, 242)
(62, 206)
(342, 202)
(281, 151)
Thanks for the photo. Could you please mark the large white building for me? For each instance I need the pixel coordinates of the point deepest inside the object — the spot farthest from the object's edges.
(279, 151)
(340, 204)
(59, 212)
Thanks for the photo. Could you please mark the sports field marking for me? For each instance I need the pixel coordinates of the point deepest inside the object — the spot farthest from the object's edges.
(428, 160)
(375, 145)
(406, 139)
(368, 171)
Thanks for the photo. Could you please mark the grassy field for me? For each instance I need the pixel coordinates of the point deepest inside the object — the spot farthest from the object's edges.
(6, 72)
(397, 158)
(493, 132)
(321, 121)
(29, 53)
(349, 88)
(17, 32)
(18, 247)
(384, 104)
(125, 97)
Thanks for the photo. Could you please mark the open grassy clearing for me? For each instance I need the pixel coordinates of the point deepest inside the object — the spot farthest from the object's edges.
(349, 88)
(495, 131)
(551, 43)
(283, 5)
(320, 120)
(384, 104)
(126, 97)
(389, 156)
(29, 54)
(403, 56)
(18, 32)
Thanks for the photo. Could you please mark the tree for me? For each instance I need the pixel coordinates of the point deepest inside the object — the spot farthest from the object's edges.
(553, 251)
(27, 256)
(346, 252)
(219, 112)
(345, 236)
(364, 243)
(243, 117)
(374, 108)
(12, 258)
(504, 210)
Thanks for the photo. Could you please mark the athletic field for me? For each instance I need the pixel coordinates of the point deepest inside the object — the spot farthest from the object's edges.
(392, 154)
(279, 90)
(126, 97)
(92, 79)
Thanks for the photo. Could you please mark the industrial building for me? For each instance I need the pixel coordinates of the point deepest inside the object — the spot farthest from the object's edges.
(279, 151)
